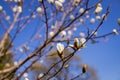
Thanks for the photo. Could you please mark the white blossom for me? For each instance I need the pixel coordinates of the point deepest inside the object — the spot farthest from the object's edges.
(25, 74)
(50, 1)
(92, 20)
(98, 8)
(40, 75)
(87, 16)
(69, 32)
(82, 34)
(1, 8)
(20, 49)
(15, 63)
(19, 9)
(7, 18)
(26, 78)
(74, 29)
(33, 16)
(62, 1)
(72, 17)
(98, 17)
(76, 40)
(81, 20)
(81, 10)
(53, 27)
(58, 3)
(82, 40)
(60, 47)
(115, 31)
(39, 10)
(51, 33)
(14, 9)
(63, 33)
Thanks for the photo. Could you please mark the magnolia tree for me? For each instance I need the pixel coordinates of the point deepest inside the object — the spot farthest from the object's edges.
(39, 39)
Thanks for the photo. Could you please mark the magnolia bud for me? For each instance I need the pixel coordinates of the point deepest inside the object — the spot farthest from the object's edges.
(119, 21)
(84, 68)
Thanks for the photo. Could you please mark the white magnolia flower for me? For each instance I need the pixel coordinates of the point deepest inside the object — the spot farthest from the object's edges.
(81, 10)
(115, 31)
(33, 16)
(1, 8)
(15, 63)
(76, 40)
(14, 9)
(87, 16)
(39, 10)
(19, 9)
(20, 49)
(82, 40)
(51, 33)
(25, 75)
(62, 1)
(53, 27)
(82, 34)
(40, 75)
(92, 20)
(60, 47)
(81, 20)
(98, 8)
(69, 32)
(7, 18)
(63, 33)
(58, 3)
(98, 17)
(72, 17)
(26, 78)
(50, 1)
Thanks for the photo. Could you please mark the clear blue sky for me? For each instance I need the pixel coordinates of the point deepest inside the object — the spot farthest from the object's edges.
(105, 56)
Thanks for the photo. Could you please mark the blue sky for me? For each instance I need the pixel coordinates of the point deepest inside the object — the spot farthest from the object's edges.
(105, 56)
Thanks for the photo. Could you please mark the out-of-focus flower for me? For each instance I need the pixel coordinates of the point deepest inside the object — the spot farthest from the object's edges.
(63, 34)
(82, 34)
(69, 32)
(72, 17)
(87, 16)
(98, 8)
(25, 74)
(62, 1)
(14, 9)
(81, 10)
(50, 1)
(76, 42)
(58, 3)
(51, 33)
(15, 63)
(74, 29)
(1, 8)
(119, 21)
(39, 10)
(98, 17)
(60, 47)
(82, 40)
(33, 16)
(40, 75)
(26, 78)
(81, 20)
(19, 9)
(7, 18)
(92, 20)
(115, 31)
